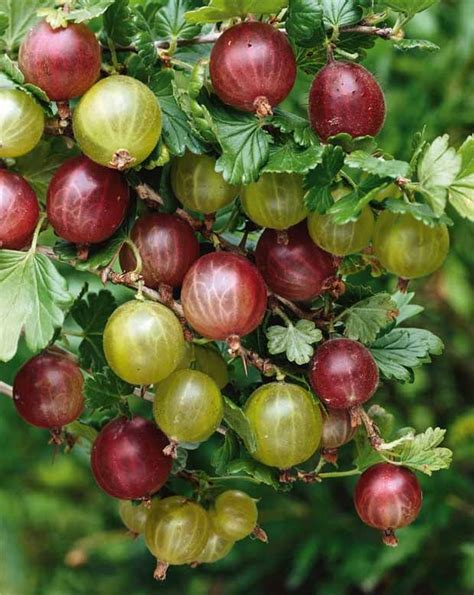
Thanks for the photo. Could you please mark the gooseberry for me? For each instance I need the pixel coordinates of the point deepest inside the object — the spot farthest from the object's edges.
(21, 123)
(286, 422)
(343, 373)
(215, 549)
(48, 391)
(198, 186)
(127, 458)
(296, 269)
(234, 515)
(223, 294)
(19, 211)
(133, 516)
(167, 246)
(388, 497)
(188, 406)
(338, 430)
(345, 97)
(118, 122)
(275, 201)
(64, 62)
(86, 202)
(252, 67)
(143, 342)
(407, 247)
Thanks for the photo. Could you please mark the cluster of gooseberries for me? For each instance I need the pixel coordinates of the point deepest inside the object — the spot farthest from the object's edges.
(223, 294)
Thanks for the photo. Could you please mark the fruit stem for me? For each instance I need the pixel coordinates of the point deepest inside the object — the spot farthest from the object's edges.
(347, 473)
(38, 227)
(160, 570)
(6, 389)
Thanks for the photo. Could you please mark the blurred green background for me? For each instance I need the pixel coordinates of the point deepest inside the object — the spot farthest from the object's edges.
(60, 535)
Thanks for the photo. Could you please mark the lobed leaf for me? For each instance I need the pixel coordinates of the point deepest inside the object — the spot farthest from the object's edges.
(378, 166)
(104, 390)
(461, 191)
(295, 340)
(364, 319)
(221, 10)
(292, 158)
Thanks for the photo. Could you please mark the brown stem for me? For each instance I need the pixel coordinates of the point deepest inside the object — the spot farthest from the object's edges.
(383, 32)
(145, 192)
(160, 570)
(264, 365)
(359, 415)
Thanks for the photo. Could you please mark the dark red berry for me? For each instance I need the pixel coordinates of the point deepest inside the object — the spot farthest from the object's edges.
(167, 245)
(388, 497)
(86, 202)
(343, 373)
(253, 67)
(64, 62)
(337, 428)
(19, 211)
(295, 270)
(127, 458)
(223, 294)
(345, 97)
(47, 391)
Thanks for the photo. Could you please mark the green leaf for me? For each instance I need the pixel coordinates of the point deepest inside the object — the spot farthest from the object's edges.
(410, 7)
(118, 24)
(10, 68)
(351, 144)
(245, 145)
(222, 456)
(105, 390)
(261, 473)
(405, 308)
(421, 452)
(366, 454)
(461, 192)
(437, 170)
(403, 349)
(364, 319)
(304, 23)
(348, 207)
(236, 419)
(295, 125)
(177, 133)
(21, 15)
(91, 314)
(416, 44)
(292, 158)
(319, 180)
(340, 13)
(180, 460)
(420, 211)
(33, 300)
(3, 24)
(80, 430)
(85, 10)
(221, 10)
(378, 166)
(171, 24)
(295, 340)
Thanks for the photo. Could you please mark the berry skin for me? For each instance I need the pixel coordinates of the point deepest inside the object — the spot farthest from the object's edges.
(118, 122)
(345, 97)
(215, 549)
(167, 246)
(86, 202)
(234, 515)
(143, 342)
(127, 458)
(337, 428)
(19, 211)
(21, 123)
(275, 201)
(407, 247)
(208, 360)
(198, 186)
(296, 270)
(223, 295)
(253, 67)
(133, 517)
(64, 62)
(286, 422)
(188, 406)
(47, 391)
(343, 373)
(388, 497)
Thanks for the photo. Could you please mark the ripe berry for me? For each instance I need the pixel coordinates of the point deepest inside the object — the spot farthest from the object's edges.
(133, 517)
(286, 422)
(343, 373)
(19, 211)
(345, 97)
(188, 406)
(275, 201)
(252, 67)
(198, 186)
(127, 458)
(167, 246)
(295, 270)
(337, 428)
(407, 247)
(118, 122)
(64, 62)
(47, 391)
(234, 515)
(21, 123)
(86, 202)
(388, 497)
(143, 342)
(223, 294)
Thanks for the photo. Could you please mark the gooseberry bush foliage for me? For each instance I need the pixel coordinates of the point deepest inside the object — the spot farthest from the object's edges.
(147, 144)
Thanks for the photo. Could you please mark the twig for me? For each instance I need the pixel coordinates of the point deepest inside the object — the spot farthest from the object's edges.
(6, 389)
(383, 32)
(211, 37)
